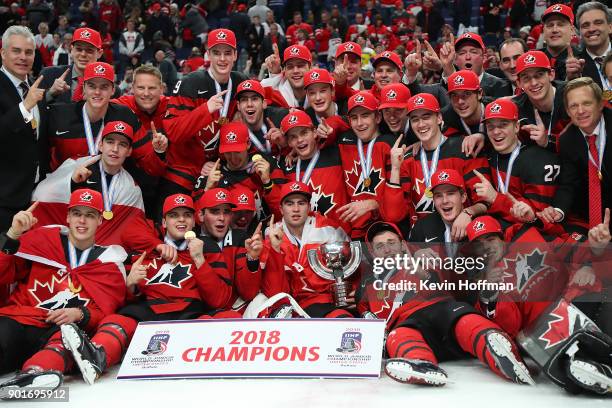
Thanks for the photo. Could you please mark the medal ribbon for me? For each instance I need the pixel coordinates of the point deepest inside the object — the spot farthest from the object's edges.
(538, 118)
(91, 143)
(481, 128)
(74, 263)
(170, 241)
(366, 162)
(257, 143)
(502, 187)
(226, 99)
(313, 162)
(427, 170)
(108, 192)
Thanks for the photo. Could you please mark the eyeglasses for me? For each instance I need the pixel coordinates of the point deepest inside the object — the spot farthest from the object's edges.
(390, 244)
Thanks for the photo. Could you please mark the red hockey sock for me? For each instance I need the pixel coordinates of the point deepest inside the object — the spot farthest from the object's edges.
(53, 356)
(114, 334)
(406, 342)
(337, 313)
(470, 333)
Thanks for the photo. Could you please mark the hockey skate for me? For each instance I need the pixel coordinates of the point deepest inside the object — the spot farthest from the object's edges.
(90, 359)
(283, 312)
(415, 372)
(591, 375)
(31, 379)
(507, 358)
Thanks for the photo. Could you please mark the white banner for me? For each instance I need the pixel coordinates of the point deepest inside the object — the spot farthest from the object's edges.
(338, 348)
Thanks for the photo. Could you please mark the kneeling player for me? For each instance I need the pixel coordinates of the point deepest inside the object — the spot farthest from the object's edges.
(428, 326)
(196, 286)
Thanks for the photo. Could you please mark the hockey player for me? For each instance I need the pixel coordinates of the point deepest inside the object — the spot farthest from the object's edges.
(428, 326)
(387, 70)
(196, 286)
(557, 31)
(365, 159)
(104, 173)
(349, 55)
(243, 214)
(409, 182)
(325, 109)
(289, 83)
(240, 251)
(287, 266)
(394, 108)
(541, 105)
(319, 168)
(527, 172)
(61, 276)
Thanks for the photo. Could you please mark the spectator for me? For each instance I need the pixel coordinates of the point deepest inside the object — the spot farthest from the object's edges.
(62, 54)
(195, 22)
(168, 70)
(259, 9)
(107, 43)
(89, 15)
(44, 43)
(159, 22)
(462, 13)
(10, 16)
(274, 37)
(297, 25)
(111, 13)
(271, 20)
(277, 7)
(256, 34)
(430, 20)
(194, 62)
(239, 24)
(131, 43)
(38, 12)
(63, 26)
(339, 20)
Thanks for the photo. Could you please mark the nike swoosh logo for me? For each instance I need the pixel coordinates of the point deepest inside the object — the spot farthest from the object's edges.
(90, 182)
(57, 132)
(201, 92)
(430, 239)
(457, 308)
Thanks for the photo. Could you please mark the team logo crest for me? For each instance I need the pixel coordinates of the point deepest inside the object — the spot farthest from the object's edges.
(495, 108)
(459, 80)
(180, 200)
(386, 54)
(231, 137)
(99, 69)
(119, 127)
(293, 119)
(86, 196)
(349, 47)
(221, 35)
(158, 344)
(530, 59)
(419, 101)
(314, 76)
(221, 196)
(247, 85)
(359, 99)
(467, 35)
(86, 34)
(294, 51)
(556, 9)
(243, 199)
(443, 176)
(479, 226)
(295, 187)
(350, 343)
(391, 95)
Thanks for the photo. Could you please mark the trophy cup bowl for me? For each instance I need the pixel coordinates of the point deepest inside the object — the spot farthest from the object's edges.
(336, 261)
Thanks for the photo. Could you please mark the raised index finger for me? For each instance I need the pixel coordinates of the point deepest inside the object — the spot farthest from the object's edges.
(153, 129)
(418, 48)
(345, 62)
(270, 123)
(140, 259)
(570, 52)
(63, 76)
(399, 139)
(606, 220)
(480, 176)
(37, 82)
(275, 49)
(257, 230)
(452, 39)
(92, 160)
(35, 204)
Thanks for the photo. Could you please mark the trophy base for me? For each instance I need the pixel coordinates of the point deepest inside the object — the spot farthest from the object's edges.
(340, 291)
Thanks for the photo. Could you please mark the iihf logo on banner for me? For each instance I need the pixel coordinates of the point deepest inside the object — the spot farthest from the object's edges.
(350, 343)
(158, 344)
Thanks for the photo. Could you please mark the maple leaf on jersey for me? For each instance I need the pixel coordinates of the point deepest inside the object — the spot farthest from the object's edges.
(356, 184)
(320, 201)
(565, 319)
(49, 296)
(171, 275)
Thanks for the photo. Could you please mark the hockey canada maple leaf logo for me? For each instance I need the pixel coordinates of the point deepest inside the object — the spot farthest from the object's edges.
(556, 9)
(171, 275)
(293, 119)
(349, 47)
(294, 187)
(247, 85)
(86, 196)
(564, 320)
(314, 76)
(458, 80)
(529, 59)
(221, 35)
(119, 127)
(478, 226)
(391, 95)
(180, 200)
(354, 180)
(243, 199)
(467, 35)
(221, 196)
(419, 101)
(525, 267)
(99, 69)
(386, 54)
(86, 34)
(321, 202)
(359, 99)
(50, 297)
(495, 108)
(443, 176)
(231, 137)
(294, 51)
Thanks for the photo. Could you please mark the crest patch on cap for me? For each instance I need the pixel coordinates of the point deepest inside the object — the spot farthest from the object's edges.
(221, 196)
(86, 196)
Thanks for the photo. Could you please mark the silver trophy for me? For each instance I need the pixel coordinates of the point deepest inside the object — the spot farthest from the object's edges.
(336, 261)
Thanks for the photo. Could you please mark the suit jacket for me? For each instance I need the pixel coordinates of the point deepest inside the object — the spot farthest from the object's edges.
(590, 69)
(21, 153)
(572, 196)
(437, 90)
(50, 74)
(495, 87)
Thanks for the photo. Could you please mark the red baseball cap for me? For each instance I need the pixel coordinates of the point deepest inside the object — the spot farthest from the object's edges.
(463, 81)
(559, 9)
(423, 101)
(482, 226)
(364, 99)
(86, 197)
(214, 197)
(295, 187)
(250, 85)
(501, 109)
(449, 177)
(470, 37)
(297, 51)
(388, 56)
(318, 76)
(295, 119)
(87, 35)
(243, 199)
(177, 201)
(532, 59)
(221, 36)
(233, 137)
(350, 47)
(99, 70)
(118, 127)
(394, 96)
(381, 226)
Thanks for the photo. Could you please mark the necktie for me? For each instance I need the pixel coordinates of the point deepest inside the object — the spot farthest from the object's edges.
(78, 92)
(24, 89)
(518, 90)
(598, 61)
(594, 184)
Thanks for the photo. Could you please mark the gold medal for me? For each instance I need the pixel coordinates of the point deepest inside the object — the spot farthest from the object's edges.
(607, 95)
(34, 123)
(256, 157)
(599, 175)
(367, 182)
(222, 120)
(428, 193)
(107, 215)
(72, 288)
(190, 235)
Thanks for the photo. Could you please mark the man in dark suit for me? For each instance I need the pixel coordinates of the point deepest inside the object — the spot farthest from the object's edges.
(65, 82)
(585, 186)
(594, 22)
(23, 160)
